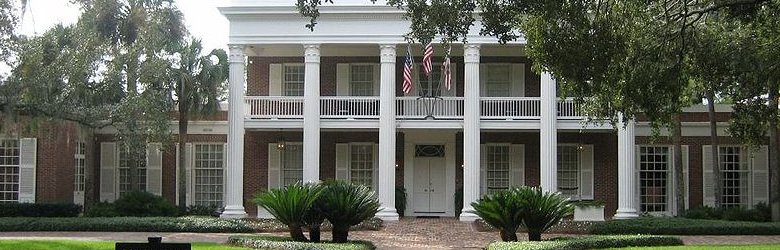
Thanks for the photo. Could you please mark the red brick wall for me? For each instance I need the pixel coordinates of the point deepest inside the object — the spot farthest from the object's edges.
(55, 170)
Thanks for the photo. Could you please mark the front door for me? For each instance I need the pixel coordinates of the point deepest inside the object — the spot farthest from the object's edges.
(429, 188)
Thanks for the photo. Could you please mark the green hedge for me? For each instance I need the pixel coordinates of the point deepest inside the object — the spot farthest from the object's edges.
(683, 226)
(127, 224)
(39, 210)
(277, 242)
(589, 242)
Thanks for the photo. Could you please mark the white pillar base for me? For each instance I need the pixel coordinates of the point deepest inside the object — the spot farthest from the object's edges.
(625, 214)
(387, 214)
(468, 216)
(233, 212)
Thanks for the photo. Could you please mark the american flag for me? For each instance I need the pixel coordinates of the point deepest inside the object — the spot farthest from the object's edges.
(427, 57)
(445, 70)
(408, 65)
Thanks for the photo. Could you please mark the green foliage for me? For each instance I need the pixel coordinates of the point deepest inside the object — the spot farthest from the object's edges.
(203, 210)
(39, 210)
(128, 224)
(588, 203)
(346, 204)
(90, 244)
(760, 213)
(143, 204)
(290, 205)
(683, 226)
(275, 242)
(400, 200)
(532, 208)
(589, 242)
(102, 209)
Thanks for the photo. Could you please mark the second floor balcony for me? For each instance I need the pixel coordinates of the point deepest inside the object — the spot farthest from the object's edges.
(407, 108)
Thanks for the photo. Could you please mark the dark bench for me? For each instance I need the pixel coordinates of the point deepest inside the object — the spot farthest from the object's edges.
(155, 243)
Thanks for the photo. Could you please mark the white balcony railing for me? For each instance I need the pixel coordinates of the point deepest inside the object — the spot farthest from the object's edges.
(274, 107)
(439, 108)
(510, 108)
(567, 109)
(349, 107)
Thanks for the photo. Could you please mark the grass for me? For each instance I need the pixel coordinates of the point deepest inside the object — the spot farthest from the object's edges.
(709, 247)
(89, 245)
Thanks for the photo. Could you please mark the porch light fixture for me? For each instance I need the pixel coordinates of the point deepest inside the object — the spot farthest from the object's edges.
(580, 143)
(280, 144)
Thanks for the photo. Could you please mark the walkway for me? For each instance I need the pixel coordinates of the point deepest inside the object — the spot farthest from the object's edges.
(409, 233)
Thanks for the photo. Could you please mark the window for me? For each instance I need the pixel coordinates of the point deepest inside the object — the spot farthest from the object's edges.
(499, 80)
(294, 77)
(361, 80)
(81, 162)
(124, 170)
(497, 167)
(568, 170)
(654, 167)
(208, 183)
(292, 164)
(430, 86)
(362, 164)
(9, 170)
(734, 176)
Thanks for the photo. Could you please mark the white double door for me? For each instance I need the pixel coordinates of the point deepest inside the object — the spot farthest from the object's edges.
(429, 185)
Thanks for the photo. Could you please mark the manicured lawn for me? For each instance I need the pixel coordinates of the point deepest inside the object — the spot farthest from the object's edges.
(88, 245)
(710, 247)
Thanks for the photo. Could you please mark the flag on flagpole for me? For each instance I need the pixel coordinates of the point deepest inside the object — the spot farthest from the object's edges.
(408, 65)
(445, 70)
(427, 58)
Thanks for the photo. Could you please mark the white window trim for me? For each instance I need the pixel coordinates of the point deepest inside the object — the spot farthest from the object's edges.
(283, 162)
(374, 69)
(79, 156)
(488, 67)
(349, 163)
(18, 166)
(194, 175)
(578, 193)
(509, 161)
(747, 202)
(283, 82)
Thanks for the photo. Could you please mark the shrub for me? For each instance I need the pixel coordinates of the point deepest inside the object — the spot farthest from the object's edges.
(39, 210)
(275, 242)
(143, 204)
(589, 242)
(102, 209)
(760, 213)
(400, 200)
(345, 204)
(290, 205)
(129, 224)
(200, 210)
(684, 226)
(533, 208)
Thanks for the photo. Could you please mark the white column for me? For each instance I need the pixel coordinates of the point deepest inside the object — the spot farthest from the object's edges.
(471, 140)
(548, 135)
(626, 178)
(387, 133)
(234, 186)
(311, 114)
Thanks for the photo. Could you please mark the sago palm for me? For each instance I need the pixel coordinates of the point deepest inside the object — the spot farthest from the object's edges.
(542, 210)
(503, 211)
(290, 205)
(345, 204)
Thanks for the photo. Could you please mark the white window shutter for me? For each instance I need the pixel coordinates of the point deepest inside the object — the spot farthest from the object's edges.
(377, 70)
(483, 71)
(189, 165)
(760, 170)
(707, 175)
(274, 167)
(686, 166)
(28, 148)
(342, 79)
(518, 79)
(108, 166)
(154, 168)
(586, 172)
(517, 158)
(482, 170)
(275, 80)
(342, 161)
(637, 167)
(375, 173)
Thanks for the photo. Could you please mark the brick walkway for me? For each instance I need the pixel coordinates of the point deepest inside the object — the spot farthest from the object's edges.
(409, 233)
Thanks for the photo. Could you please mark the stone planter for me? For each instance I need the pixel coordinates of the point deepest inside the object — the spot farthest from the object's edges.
(589, 213)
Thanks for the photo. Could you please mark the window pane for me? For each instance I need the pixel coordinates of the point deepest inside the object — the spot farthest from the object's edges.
(362, 80)
(9, 171)
(80, 156)
(734, 176)
(292, 164)
(294, 77)
(362, 165)
(497, 167)
(208, 174)
(499, 81)
(430, 86)
(124, 170)
(653, 178)
(568, 170)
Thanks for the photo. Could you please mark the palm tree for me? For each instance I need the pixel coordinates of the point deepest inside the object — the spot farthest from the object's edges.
(198, 88)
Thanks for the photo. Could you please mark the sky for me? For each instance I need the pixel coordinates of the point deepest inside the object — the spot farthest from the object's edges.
(202, 18)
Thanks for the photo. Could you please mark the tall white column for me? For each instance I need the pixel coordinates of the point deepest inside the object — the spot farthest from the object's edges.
(471, 140)
(548, 135)
(387, 133)
(234, 188)
(311, 114)
(626, 178)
